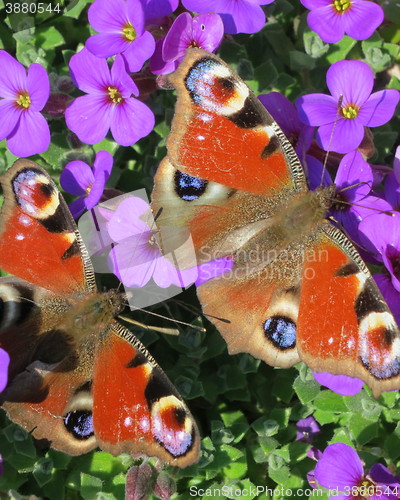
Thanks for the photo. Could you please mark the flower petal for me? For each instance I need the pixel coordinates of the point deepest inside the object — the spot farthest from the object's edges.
(207, 31)
(106, 44)
(89, 116)
(12, 76)
(351, 79)
(212, 269)
(133, 264)
(77, 207)
(354, 171)
(317, 109)
(341, 384)
(76, 177)
(38, 85)
(131, 121)
(4, 362)
(379, 108)
(31, 136)
(121, 79)
(129, 219)
(241, 17)
(103, 162)
(159, 8)
(108, 17)
(347, 136)
(89, 73)
(362, 19)
(158, 66)
(9, 117)
(166, 274)
(327, 23)
(339, 467)
(176, 40)
(139, 51)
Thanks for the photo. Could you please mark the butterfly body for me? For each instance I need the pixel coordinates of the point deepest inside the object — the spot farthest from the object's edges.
(77, 377)
(298, 289)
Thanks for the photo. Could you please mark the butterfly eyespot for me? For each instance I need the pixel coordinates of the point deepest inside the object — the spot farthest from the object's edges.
(281, 331)
(80, 424)
(227, 83)
(172, 427)
(189, 188)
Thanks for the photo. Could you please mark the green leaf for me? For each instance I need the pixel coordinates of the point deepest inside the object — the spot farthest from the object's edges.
(306, 390)
(90, 486)
(338, 51)
(313, 44)
(362, 429)
(300, 61)
(48, 37)
(330, 401)
(77, 8)
(42, 471)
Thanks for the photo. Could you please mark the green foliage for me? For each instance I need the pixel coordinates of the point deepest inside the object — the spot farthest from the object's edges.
(246, 410)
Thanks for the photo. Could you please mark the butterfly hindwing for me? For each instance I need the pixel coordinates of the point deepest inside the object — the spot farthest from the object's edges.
(356, 335)
(146, 415)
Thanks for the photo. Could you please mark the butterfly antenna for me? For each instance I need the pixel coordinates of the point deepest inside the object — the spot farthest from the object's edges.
(199, 312)
(195, 327)
(159, 329)
(385, 212)
(339, 107)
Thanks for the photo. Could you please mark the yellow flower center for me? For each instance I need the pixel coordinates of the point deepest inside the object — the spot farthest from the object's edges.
(365, 489)
(114, 94)
(350, 111)
(341, 5)
(128, 32)
(24, 100)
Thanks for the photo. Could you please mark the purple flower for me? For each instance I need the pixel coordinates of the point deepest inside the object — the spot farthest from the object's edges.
(349, 109)
(341, 469)
(204, 31)
(120, 24)
(353, 183)
(307, 428)
(390, 294)
(4, 362)
(381, 235)
(341, 384)
(108, 103)
(284, 112)
(392, 183)
(23, 95)
(331, 19)
(136, 257)
(79, 179)
(159, 8)
(238, 16)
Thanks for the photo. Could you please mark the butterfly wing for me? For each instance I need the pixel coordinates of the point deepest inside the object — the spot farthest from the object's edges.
(146, 414)
(344, 325)
(110, 394)
(38, 233)
(220, 129)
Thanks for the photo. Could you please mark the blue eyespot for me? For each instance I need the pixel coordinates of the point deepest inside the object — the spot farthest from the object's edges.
(281, 331)
(80, 424)
(189, 188)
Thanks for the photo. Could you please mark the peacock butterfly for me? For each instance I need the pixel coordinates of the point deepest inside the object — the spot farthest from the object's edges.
(77, 377)
(298, 289)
